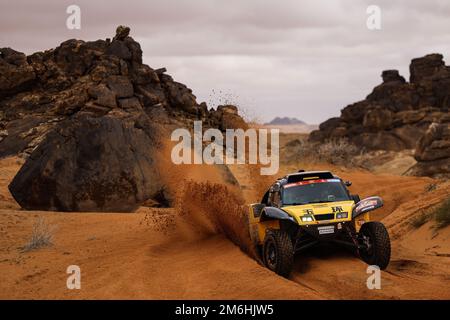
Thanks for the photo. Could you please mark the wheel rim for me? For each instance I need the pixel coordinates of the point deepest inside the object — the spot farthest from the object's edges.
(367, 240)
(271, 255)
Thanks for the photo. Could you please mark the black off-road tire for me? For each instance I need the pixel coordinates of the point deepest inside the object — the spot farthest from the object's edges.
(380, 252)
(279, 243)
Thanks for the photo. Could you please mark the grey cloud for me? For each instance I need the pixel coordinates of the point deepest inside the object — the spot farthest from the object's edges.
(291, 58)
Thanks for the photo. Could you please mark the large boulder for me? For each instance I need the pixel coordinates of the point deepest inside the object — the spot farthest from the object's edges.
(89, 163)
(377, 119)
(15, 72)
(435, 143)
(433, 151)
(228, 118)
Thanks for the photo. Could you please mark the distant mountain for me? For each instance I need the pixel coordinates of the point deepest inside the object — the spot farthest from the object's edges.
(290, 125)
(285, 121)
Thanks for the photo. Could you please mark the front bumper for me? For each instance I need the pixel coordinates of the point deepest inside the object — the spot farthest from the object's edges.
(326, 231)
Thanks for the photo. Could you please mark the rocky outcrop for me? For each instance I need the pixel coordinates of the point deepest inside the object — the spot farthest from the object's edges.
(391, 76)
(15, 72)
(397, 113)
(39, 91)
(426, 67)
(433, 151)
(87, 116)
(227, 116)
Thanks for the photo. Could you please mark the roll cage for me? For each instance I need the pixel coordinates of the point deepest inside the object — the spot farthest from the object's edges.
(274, 196)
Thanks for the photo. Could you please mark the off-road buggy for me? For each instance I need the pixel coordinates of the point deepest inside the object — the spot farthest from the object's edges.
(304, 209)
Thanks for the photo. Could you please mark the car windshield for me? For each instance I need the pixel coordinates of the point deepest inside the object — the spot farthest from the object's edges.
(314, 192)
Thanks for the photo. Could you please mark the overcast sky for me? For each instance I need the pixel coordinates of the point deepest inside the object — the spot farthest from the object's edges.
(305, 59)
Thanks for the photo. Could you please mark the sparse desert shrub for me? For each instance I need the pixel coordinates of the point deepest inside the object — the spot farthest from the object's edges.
(298, 149)
(420, 220)
(41, 236)
(442, 214)
(431, 187)
(338, 151)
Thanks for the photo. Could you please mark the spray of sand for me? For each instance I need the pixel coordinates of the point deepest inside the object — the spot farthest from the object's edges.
(205, 203)
(217, 209)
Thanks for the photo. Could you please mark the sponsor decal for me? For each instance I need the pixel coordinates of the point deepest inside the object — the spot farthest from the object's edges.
(337, 209)
(366, 205)
(326, 230)
(300, 183)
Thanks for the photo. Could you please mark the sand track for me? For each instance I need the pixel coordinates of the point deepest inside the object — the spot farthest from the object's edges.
(127, 256)
(417, 270)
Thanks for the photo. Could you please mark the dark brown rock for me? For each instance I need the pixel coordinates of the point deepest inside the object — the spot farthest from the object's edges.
(392, 75)
(130, 104)
(377, 119)
(15, 72)
(433, 152)
(103, 95)
(409, 117)
(179, 96)
(228, 118)
(121, 86)
(121, 33)
(120, 50)
(435, 143)
(422, 68)
(135, 49)
(91, 164)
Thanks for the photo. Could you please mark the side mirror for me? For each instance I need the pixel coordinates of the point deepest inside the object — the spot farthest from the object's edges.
(275, 188)
(257, 209)
(348, 183)
(366, 205)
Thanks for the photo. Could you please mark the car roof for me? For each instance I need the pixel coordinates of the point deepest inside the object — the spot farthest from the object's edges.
(305, 175)
(299, 176)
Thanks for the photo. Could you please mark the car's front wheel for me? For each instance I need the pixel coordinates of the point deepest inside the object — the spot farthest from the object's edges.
(376, 245)
(278, 252)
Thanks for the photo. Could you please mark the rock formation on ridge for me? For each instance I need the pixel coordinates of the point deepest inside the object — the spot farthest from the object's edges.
(88, 116)
(400, 115)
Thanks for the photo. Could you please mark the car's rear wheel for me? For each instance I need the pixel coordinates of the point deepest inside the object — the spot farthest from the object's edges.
(376, 245)
(278, 252)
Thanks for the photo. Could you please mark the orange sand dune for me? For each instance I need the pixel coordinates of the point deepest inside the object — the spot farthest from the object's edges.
(145, 255)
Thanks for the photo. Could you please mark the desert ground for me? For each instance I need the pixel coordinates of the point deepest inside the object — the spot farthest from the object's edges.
(155, 254)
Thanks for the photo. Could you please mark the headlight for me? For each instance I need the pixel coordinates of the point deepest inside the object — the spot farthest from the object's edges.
(307, 219)
(342, 215)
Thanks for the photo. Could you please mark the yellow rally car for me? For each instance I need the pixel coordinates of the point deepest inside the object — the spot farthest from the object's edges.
(304, 209)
